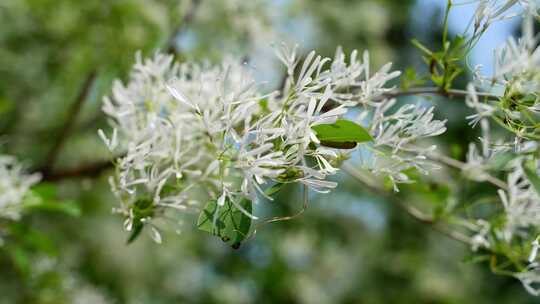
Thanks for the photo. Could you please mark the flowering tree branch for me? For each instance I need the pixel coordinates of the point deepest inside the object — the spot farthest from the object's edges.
(208, 139)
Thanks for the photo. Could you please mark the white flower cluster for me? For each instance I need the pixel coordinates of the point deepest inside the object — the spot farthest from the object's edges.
(14, 186)
(395, 132)
(396, 135)
(519, 198)
(196, 132)
(490, 11)
(517, 61)
(517, 74)
(520, 202)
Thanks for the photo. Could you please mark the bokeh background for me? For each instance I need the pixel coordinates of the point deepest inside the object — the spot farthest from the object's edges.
(348, 247)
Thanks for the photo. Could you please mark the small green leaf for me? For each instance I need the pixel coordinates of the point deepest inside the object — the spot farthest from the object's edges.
(21, 259)
(530, 170)
(475, 258)
(5, 105)
(66, 207)
(421, 47)
(273, 189)
(44, 197)
(45, 191)
(135, 232)
(411, 79)
(142, 208)
(263, 103)
(231, 224)
(343, 134)
(291, 174)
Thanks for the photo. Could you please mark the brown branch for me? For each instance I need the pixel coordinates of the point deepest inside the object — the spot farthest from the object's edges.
(84, 171)
(73, 112)
(453, 93)
(454, 163)
(416, 214)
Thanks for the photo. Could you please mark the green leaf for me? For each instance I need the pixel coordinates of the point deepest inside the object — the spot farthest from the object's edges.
(45, 191)
(530, 170)
(66, 207)
(273, 189)
(231, 224)
(31, 239)
(43, 197)
(421, 47)
(263, 103)
(5, 105)
(20, 259)
(410, 79)
(142, 208)
(290, 174)
(343, 134)
(135, 232)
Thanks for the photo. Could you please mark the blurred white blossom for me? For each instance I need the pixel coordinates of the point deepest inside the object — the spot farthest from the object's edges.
(508, 99)
(14, 186)
(490, 11)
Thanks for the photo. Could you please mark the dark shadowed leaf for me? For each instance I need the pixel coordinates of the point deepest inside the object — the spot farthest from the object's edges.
(231, 224)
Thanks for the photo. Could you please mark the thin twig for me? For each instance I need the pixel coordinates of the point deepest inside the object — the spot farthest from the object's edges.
(73, 112)
(451, 162)
(89, 170)
(371, 185)
(416, 214)
(453, 93)
(305, 202)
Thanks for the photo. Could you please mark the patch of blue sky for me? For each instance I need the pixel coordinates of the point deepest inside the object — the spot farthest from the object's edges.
(365, 210)
(459, 23)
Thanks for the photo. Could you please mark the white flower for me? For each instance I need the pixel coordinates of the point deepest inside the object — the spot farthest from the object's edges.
(517, 62)
(483, 110)
(14, 186)
(396, 137)
(490, 11)
(520, 202)
(481, 237)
